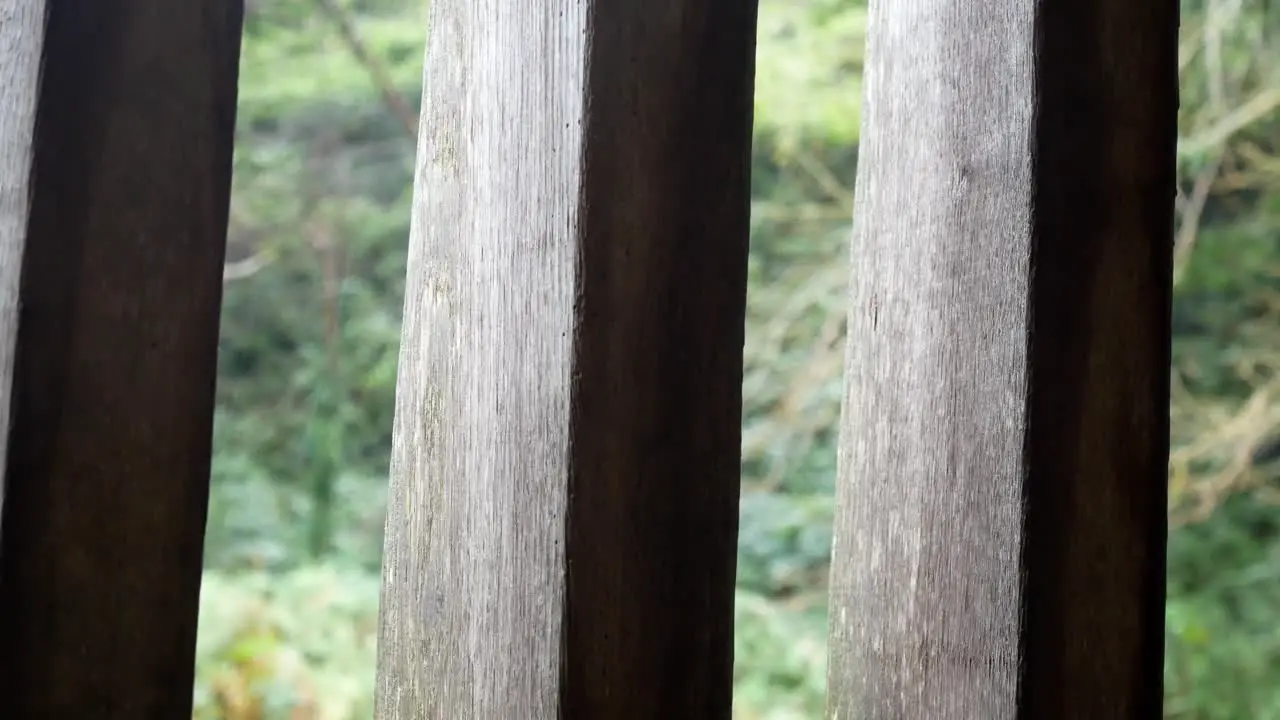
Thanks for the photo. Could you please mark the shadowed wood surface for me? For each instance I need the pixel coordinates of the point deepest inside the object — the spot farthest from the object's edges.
(108, 468)
(1000, 532)
(561, 532)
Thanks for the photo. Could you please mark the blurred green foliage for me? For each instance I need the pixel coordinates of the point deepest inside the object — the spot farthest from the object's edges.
(311, 323)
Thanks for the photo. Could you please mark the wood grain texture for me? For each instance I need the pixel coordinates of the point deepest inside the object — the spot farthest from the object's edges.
(561, 532)
(21, 37)
(108, 466)
(1000, 535)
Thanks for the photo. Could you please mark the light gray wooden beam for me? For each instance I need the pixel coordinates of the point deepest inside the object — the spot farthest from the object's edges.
(1000, 535)
(561, 533)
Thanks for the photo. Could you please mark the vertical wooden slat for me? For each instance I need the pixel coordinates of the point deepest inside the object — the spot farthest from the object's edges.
(1001, 524)
(108, 467)
(563, 506)
(21, 37)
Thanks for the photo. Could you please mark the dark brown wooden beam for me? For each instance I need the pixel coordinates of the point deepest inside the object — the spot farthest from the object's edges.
(561, 534)
(107, 478)
(1000, 538)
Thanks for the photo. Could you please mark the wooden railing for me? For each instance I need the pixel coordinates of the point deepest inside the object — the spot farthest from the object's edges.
(562, 515)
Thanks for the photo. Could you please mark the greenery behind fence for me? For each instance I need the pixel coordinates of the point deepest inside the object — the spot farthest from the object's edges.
(314, 286)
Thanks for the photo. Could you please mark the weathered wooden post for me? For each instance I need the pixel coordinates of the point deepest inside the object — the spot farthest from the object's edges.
(563, 507)
(106, 481)
(1001, 525)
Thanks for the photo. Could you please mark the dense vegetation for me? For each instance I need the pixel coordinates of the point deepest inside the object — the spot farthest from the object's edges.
(310, 330)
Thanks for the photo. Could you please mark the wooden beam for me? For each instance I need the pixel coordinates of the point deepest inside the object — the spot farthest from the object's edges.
(108, 465)
(1001, 526)
(561, 533)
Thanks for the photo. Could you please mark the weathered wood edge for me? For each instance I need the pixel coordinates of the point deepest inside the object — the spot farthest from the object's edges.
(561, 531)
(473, 562)
(1000, 529)
(21, 39)
(108, 466)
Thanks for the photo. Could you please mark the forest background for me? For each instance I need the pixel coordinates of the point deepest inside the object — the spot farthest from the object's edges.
(313, 299)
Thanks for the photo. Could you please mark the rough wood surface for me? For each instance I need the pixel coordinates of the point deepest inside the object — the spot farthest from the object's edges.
(563, 507)
(108, 467)
(21, 37)
(1001, 524)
